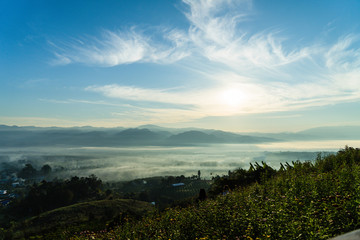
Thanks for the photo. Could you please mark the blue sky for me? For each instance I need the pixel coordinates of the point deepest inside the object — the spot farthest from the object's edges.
(237, 65)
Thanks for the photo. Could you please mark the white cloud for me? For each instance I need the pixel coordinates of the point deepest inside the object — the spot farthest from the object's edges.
(196, 100)
(214, 32)
(44, 121)
(122, 47)
(220, 38)
(341, 56)
(60, 59)
(260, 67)
(157, 115)
(72, 101)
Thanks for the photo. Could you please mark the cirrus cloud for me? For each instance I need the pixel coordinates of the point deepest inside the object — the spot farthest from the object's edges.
(265, 72)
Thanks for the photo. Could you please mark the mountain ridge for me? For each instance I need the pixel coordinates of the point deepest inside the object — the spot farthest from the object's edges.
(153, 135)
(27, 136)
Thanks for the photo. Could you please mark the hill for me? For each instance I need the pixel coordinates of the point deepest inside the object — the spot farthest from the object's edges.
(152, 135)
(191, 137)
(13, 136)
(302, 200)
(95, 214)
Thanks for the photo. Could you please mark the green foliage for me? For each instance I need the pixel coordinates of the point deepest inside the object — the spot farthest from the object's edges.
(241, 178)
(61, 223)
(300, 201)
(161, 190)
(45, 170)
(46, 196)
(27, 172)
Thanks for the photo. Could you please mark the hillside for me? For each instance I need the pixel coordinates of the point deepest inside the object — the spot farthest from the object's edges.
(302, 200)
(76, 216)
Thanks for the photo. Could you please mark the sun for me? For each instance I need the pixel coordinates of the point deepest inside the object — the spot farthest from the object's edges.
(233, 97)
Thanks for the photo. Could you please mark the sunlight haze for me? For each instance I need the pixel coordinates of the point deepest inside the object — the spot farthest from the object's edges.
(242, 66)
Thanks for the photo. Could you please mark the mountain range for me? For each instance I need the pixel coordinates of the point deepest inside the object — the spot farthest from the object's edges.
(152, 135)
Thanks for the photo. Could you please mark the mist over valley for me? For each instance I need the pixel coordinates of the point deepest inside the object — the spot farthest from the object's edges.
(115, 154)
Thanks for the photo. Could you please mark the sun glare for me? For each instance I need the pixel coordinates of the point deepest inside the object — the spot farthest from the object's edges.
(233, 98)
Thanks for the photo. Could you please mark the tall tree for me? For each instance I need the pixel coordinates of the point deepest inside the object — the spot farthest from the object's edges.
(27, 172)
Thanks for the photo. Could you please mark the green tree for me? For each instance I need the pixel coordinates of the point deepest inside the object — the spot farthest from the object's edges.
(46, 170)
(27, 172)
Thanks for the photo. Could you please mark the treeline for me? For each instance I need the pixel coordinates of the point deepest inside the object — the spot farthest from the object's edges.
(164, 191)
(46, 196)
(241, 178)
(257, 173)
(29, 172)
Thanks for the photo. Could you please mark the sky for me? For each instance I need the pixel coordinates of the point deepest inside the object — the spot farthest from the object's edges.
(235, 65)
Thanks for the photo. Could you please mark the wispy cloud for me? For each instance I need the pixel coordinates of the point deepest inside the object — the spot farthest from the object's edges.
(142, 94)
(60, 59)
(72, 101)
(197, 102)
(122, 47)
(141, 116)
(220, 38)
(342, 56)
(130, 114)
(259, 71)
(44, 121)
(213, 32)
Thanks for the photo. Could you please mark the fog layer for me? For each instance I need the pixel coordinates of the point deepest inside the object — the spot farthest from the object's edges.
(126, 163)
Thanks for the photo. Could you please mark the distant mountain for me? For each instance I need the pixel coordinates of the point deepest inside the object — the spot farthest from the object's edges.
(151, 135)
(334, 132)
(14, 128)
(228, 137)
(11, 136)
(135, 136)
(319, 133)
(284, 136)
(215, 136)
(191, 137)
(156, 128)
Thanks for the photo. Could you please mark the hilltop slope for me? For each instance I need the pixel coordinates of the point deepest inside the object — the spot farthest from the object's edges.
(88, 213)
(306, 200)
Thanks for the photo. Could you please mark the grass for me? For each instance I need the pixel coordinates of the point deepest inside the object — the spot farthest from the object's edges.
(77, 217)
(309, 200)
